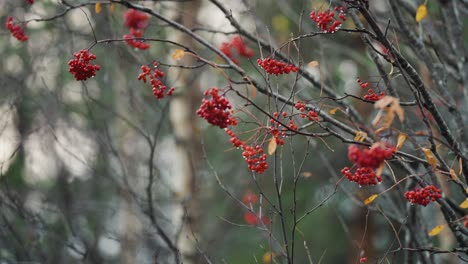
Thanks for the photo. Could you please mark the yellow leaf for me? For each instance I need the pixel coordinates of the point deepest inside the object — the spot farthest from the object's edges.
(307, 174)
(360, 136)
(333, 111)
(421, 13)
(178, 54)
(453, 175)
(436, 230)
(464, 204)
(268, 257)
(272, 146)
(370, 199)
(401, 140)
(111, 8)
(97, 8)
(430, 157)
(313, 64)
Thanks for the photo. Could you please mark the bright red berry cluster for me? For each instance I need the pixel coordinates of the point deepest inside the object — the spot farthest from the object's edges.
(311, 115)
(372, 157)
(239, 45)
(80, 66)
(159, 89)
(324, 18)
(275, 128)
(217, 111)
(367, 161)
(16, 30)
(256, 159)
(136, 21)
(423, 196)
(275, 67)
(137, 44)
(371, 95)
(252, 219)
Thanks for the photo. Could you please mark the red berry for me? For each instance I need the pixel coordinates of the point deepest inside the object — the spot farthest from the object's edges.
(423, 196)
(80, 66)
(217, 110)
(16, 30)
(275, 67)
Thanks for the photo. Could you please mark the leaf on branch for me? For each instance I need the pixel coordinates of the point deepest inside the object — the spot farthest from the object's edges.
(464, 204)
(178, 54)
(111, 8)
(401, 140)
(453, 175)
(313, 64)
(391, 107)
(333, 110)
(360, 136)
(460, 166)
(268, 257)
(430, 157)
(307, 174)
(97, 8)
(370, 199)
(272, 146)
(421, 13)
(436, 230)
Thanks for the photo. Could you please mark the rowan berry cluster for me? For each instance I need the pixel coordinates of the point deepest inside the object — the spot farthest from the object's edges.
(254, 156)
(80, 66)
(239, 45)
(275, 128)
(256, 159)
(367, 161)
(136, 21)
(275, 67)
(16, 30)
(324, 18)
(131, 41)
(423, 196)
(252, 219)
(217, 111)
(371, 95)
(159, 89)
(311, 115)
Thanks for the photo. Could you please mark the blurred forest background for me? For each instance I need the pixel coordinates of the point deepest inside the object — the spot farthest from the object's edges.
(99, 171)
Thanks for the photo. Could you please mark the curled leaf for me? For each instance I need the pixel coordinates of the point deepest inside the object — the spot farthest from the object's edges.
(453, 175)
(333, 111)
(430, 157)
(401, 140)
(178, 54)
(313, 64)
(436, 230)
(272, 146)
(421, 13)
(370, 199)
(464, 204)
(97, 8)
(360, 136)
(391, 107)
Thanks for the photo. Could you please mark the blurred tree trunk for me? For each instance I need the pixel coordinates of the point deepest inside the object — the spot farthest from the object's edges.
(187, 150)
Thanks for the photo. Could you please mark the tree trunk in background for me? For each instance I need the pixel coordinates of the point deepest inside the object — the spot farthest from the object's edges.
(187, 151)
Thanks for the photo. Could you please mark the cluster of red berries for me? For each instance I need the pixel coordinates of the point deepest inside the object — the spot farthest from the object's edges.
(131, 41)
(30, 1)
(311, 115)
(254, 156)
(256, 159)
(136, 21)
(251, 218)
(372, 157)
(80, 66)
(362, 176)
(239, 45)
(155, 79)
(324, 18)
(217, 111)
(275, 128)
(16, 30)
(367, 161)
(275, 67)
(371, 95)
(423, 196)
